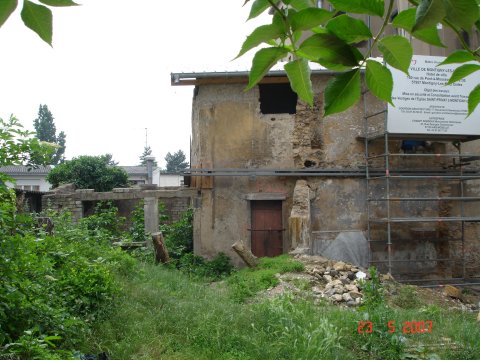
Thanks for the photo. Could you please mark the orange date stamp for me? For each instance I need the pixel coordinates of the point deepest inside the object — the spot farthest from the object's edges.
(407, 327)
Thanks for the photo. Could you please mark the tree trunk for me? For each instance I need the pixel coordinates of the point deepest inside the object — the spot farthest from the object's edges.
(245, 253)
(161, 252)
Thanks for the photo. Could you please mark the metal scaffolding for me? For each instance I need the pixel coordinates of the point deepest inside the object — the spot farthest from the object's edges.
(389, 171)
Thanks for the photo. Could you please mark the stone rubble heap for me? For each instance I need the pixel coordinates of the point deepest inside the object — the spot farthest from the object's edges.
(337, 282)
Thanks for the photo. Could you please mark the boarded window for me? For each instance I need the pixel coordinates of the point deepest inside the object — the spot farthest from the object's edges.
(277, 99)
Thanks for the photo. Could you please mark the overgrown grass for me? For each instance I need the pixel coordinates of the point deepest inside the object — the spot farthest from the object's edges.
(164, 314)
(247, 282)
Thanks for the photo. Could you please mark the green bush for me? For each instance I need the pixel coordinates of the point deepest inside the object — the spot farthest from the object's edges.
(105, 221)
(55, 285)
(179, 235)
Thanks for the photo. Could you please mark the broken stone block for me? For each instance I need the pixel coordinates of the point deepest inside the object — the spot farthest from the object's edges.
(453, 292)
(339, 266)
(327, 277)
(346, 297)
(337, 297)
(355, 295)
(351, 287)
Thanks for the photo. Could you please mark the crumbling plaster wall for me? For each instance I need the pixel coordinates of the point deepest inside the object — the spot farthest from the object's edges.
(230, 132)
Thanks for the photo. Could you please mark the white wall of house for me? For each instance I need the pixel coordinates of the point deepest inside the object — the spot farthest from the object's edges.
(165, 180)
(31, 182)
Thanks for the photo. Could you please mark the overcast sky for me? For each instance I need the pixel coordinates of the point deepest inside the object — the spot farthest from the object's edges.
(107, 77)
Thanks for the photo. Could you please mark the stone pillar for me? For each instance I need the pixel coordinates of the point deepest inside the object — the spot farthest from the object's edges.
(149, 160)
(150, 209)
(299, 220)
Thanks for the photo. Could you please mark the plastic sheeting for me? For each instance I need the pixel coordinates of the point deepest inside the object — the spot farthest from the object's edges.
(349, 246)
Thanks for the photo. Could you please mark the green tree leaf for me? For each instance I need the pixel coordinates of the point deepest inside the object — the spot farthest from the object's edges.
(463, 13)
(397, 52)
(328, 48)
(369, 7)
(473, 100)
(59, 2)
(7, 7)
(429, 13)
(342, 92)
(379, 80)
(298, 73)
(263, 60)
(406, 21)
(463, 71)
(260, 35)
(39, 19)
(349, 29)
(309, 18)
(258, 7)
(458, 57)
(300, 4)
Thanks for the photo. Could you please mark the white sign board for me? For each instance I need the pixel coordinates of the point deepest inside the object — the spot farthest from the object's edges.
(424, 105)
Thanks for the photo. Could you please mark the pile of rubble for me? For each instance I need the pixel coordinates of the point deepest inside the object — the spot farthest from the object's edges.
(337, 282)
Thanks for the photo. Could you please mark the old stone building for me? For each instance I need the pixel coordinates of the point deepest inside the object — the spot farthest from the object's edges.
(276, 174)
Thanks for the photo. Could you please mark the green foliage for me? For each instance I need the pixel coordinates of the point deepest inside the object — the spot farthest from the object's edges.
(89, 172)
(137, 229)
(247, 282)
(18, 147)
(379, 80)
(298, 73)
(147, 151)
(105, 221)
(188, 320)
(196, 266)
(35, 16)
(407, 298)
(176, 161)
(372, 289)
(300, 29)
(53, 286)
(179, 235)
(46, 131)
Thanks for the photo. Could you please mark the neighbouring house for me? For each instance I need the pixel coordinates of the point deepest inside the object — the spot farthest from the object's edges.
(164, 179)
(136, 174)
(28, 178)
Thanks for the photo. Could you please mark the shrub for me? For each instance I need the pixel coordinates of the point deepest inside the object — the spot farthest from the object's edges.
(89, 172)
(55, 285)
(179, 235)
(105, 221)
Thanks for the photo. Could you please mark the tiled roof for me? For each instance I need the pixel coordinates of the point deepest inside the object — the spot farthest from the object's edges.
(22, 169)
(135, 170)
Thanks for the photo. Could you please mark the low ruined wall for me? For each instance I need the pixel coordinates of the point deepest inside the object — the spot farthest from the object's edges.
(82, 201)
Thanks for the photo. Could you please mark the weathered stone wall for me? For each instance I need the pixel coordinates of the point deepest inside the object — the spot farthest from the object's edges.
(229, 131)
(81, 202)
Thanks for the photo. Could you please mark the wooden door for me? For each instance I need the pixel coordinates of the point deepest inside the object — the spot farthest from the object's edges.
(267, 228)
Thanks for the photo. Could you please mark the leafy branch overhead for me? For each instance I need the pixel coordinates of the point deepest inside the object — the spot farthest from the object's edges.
(36, 16)
(336, 39)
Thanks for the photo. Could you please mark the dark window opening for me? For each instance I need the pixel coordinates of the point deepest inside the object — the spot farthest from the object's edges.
(277, 99)
(309, 163)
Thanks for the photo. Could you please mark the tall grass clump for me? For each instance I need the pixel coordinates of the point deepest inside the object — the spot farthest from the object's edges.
(247, 282)
(163, 314)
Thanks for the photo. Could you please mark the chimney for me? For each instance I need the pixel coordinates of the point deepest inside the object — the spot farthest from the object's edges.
(149, 160)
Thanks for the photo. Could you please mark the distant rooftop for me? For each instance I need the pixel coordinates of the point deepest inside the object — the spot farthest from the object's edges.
(22, 169)
(135, 170)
